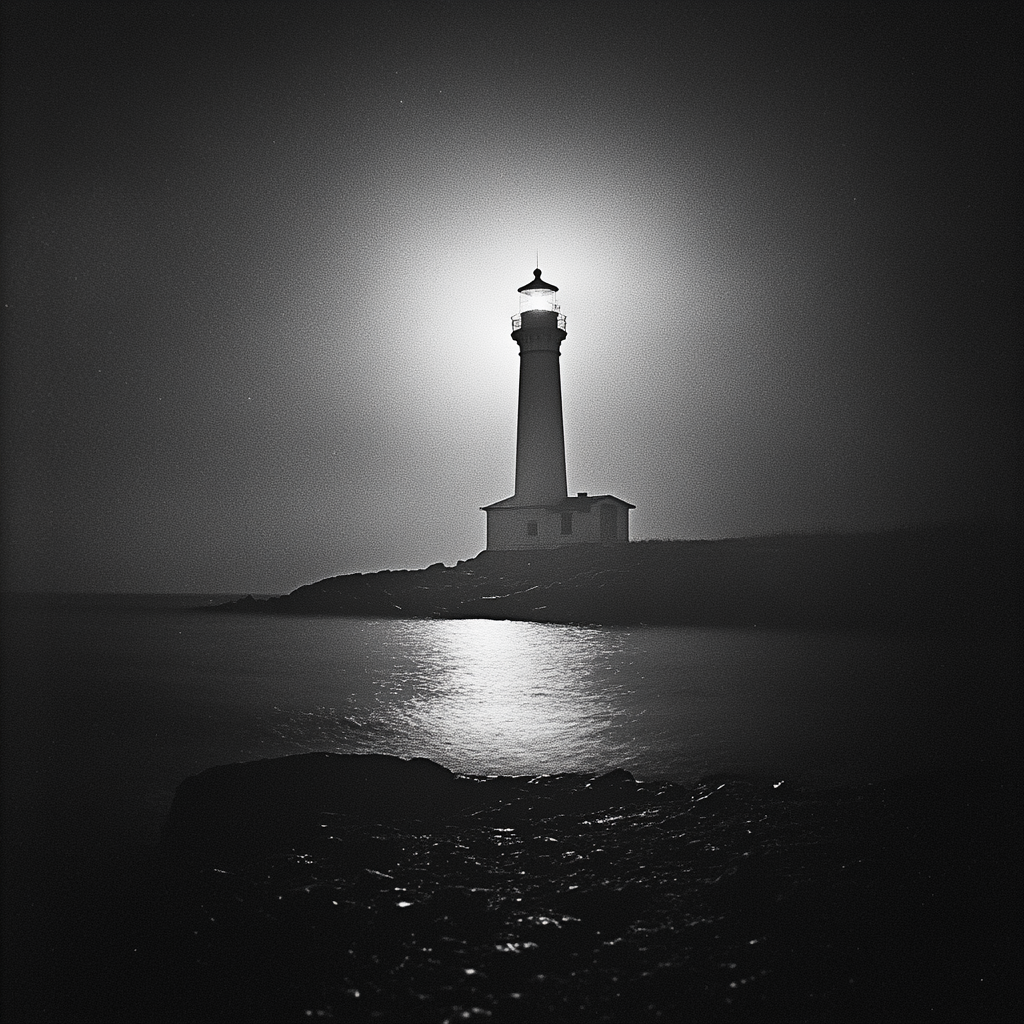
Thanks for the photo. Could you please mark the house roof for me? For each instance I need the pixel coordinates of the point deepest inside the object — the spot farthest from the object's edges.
(578, 503)
(584, 501)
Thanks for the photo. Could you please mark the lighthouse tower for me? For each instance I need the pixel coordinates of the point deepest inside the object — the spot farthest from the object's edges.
(541, 514)
(540, 441)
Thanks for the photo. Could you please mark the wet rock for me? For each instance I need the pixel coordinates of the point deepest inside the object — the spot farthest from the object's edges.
(619, 780)
(237, 811)
(232, 813)
(733, 901)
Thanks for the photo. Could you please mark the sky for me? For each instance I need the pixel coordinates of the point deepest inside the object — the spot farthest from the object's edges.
(259, 264)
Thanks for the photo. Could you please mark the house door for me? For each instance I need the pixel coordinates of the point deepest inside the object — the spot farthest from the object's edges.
(609, 523)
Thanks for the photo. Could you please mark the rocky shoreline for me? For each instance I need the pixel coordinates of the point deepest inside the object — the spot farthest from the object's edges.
(366, 887)
(947, 577)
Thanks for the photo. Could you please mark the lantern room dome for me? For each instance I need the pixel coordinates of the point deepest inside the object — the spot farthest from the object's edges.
(537, 284)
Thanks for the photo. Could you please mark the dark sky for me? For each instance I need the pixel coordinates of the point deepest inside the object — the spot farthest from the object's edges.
(259, 263)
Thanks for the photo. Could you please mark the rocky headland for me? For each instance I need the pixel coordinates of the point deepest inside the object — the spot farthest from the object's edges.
(366, 887)
(962, 576)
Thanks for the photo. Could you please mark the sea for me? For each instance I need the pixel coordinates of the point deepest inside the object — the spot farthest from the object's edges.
(110, 701)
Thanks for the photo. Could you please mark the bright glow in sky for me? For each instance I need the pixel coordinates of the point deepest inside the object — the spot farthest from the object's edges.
(257, 315)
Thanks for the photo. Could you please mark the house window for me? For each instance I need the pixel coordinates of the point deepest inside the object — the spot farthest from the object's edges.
(566, 522)
(531, 529)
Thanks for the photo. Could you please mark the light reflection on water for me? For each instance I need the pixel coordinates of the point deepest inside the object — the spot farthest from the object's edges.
(529, 696)
(492, 697)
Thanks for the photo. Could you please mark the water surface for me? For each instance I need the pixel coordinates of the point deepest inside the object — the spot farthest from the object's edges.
(111, 703)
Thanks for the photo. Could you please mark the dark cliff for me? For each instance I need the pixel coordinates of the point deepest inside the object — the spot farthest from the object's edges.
(944, 576)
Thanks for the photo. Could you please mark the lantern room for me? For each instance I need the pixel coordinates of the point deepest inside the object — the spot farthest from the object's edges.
(537, 295)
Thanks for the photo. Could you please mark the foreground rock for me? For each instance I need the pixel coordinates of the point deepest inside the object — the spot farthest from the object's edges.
(948, 577)
(355, 888)
(234, 813)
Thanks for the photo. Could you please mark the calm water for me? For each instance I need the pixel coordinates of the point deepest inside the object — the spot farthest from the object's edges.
(109, 705)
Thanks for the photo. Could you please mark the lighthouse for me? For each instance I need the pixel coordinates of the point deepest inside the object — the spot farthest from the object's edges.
(541, 514)
(540, 441)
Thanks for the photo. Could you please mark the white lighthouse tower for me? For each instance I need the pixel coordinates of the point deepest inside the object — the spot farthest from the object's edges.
(541, 514)
(540, 441)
